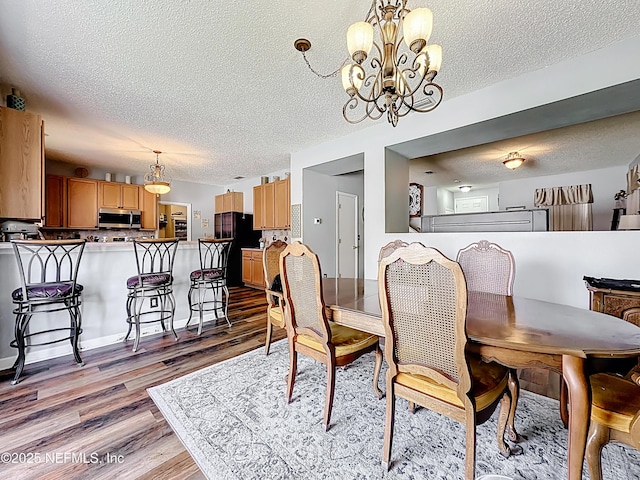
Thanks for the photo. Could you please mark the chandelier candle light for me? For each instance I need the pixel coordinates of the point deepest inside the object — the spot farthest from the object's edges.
(155, 181)
(395, 78)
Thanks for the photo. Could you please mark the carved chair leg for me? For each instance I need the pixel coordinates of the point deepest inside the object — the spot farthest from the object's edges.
(412, 407)
(267, 342)
(293, 365)
(388, 424)
(470, 452)
(376, 373)
(598, 437)
(331, 386)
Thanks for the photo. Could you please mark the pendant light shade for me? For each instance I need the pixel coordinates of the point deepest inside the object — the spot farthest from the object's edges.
(155, 181)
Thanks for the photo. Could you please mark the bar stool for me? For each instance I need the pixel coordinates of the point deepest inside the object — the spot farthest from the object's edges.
(48, 271)
(212, 276)
(154, 282)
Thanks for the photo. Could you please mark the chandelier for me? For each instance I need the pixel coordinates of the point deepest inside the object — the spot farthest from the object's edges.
(397, 77)
(155, 181)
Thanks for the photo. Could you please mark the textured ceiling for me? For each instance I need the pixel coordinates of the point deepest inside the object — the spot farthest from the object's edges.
(218, 86)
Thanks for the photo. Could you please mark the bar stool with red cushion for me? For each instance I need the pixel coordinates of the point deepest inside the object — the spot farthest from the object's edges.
(153, 285)
(48, 271)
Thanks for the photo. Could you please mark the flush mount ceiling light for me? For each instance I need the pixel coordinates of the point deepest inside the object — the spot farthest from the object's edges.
(155, 181)
(395, 79)
(465, 188)
(513, 161)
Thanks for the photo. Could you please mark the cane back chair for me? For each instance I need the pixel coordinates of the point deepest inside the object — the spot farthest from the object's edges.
(271, 266)
(308, 329)
(615, 417)
(210, 277)
(423, 299)
(489, 268)
(153, 285)
(48, 272)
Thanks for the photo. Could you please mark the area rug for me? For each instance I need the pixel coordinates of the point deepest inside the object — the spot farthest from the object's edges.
(233, 419)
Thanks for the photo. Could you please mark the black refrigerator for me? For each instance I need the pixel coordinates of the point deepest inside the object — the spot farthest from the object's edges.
(238, 226)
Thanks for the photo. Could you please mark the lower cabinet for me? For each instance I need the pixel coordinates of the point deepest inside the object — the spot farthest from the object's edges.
(252, 272)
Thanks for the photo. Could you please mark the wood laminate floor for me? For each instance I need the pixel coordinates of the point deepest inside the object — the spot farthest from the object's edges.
(97, 421)
(62, 421)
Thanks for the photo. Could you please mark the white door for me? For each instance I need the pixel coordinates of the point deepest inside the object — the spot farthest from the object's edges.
(347, 235)
(472, 204)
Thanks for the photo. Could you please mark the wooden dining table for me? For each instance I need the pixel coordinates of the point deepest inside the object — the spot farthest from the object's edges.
(518, 333)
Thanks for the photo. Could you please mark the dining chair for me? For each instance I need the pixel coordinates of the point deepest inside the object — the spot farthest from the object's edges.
(615, 417)
(153, 286)
(211, 278)
(309, 331)
(48, 272)
(489, 268)
(423, 299)
(273, 287)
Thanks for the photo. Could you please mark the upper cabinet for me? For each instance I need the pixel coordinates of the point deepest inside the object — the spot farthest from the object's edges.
(149, 206)
(229, 202)
(21, 164)
(82, 203)
(55, 211)
(272, 205)
(118, 195)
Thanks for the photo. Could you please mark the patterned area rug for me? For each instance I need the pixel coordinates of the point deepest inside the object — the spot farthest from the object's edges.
(233, 420)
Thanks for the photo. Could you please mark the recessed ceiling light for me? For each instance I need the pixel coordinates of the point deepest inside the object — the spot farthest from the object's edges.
(239, 177)
(465, 188)
(429, 172)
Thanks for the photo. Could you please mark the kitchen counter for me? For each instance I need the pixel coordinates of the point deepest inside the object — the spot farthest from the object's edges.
(103, 272)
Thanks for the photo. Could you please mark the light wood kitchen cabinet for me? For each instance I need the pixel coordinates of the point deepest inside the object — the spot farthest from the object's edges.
(82, 203)
(118, 195)
(21, 164)
(55, 201)
(252, 271)
(272, 205)
(229, 202)
(263, 206)
(282, 205)
(149, 205)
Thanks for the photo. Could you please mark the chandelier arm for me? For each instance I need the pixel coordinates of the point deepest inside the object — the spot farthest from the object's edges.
(432, 94)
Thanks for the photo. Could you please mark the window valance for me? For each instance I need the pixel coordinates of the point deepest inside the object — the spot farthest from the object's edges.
(569, 195)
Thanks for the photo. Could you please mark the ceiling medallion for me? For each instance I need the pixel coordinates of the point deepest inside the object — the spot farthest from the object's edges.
(397, 77)
(156, 181)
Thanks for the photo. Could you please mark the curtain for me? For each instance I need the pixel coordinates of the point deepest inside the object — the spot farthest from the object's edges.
(569, 207)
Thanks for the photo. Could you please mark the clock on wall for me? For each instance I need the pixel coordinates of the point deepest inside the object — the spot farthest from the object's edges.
(415, 200)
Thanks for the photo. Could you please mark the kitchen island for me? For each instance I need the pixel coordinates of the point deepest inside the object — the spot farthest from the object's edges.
(103, 272)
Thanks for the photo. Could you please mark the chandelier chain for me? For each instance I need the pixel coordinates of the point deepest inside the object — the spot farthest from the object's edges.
(328, 75)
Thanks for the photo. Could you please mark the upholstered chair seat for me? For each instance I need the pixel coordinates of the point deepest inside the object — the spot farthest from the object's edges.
(207, 274)
(149, 279)
(48, 290)
(346, 340)
(489, 381)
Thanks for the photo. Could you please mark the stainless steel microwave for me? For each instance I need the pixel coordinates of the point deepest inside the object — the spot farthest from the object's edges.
(116, 218)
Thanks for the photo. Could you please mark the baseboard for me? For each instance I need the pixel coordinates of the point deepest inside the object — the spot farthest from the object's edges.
(61, 350)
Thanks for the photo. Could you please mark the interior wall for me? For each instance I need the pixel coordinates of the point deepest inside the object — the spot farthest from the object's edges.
(319, 203)
(396, 192)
